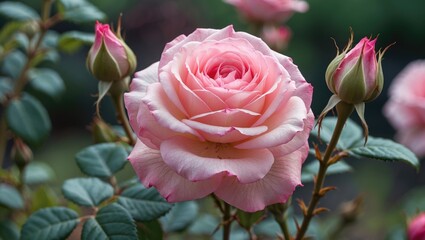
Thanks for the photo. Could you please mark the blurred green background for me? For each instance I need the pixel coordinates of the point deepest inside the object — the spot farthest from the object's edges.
(149, 24)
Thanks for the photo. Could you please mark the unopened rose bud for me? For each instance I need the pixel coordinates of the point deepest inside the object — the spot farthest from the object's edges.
(110, 59)
(21, 153)
(355, 75)
(277, 37)
(416, 228)
(102, 132)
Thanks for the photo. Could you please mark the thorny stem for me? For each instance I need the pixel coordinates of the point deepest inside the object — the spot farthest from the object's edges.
(118, 101)
(344, 110)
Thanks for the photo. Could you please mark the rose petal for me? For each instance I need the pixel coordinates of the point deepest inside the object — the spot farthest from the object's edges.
(220, 134)
(164, 111)
(228, 118)
(276, 187)
(198, 161)
(298, 141)
(152, 171)
(284, 125)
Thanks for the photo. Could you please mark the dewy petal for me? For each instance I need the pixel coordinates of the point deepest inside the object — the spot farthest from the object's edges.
(284, 126)
(197, 161)
(152, 171)
(276, 187)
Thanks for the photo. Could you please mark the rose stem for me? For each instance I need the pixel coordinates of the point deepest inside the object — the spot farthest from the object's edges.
(344, 110)
(122, 118)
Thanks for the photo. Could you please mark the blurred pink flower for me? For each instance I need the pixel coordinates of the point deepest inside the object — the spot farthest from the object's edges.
(221, 113)
(405, 109)
(269, 10)
(416, 228)
(277, 37)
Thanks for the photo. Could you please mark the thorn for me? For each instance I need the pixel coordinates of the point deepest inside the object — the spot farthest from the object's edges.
(337, 157)
(320, 210)
(317, 152)
(324, 190)
(302, 206)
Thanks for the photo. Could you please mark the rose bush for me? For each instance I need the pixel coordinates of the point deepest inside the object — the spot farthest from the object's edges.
(221, 113)
(268, 10)
(405, 109)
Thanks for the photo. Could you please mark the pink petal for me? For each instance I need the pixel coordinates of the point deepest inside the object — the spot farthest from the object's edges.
(298, 141)
(152, 171)
(220, 134)
(276, 187)
(413, 138)
(164, 111)
(283, 126)
(138, 87)
(228, 118)
(197, 161)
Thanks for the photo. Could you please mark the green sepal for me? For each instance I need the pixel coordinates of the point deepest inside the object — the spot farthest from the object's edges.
(104, 67)
(353, 87)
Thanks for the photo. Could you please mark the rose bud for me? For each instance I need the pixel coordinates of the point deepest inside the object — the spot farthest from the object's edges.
(110, 59)
(277, 37)
(416, 228)
(355, 75)
(21, 153)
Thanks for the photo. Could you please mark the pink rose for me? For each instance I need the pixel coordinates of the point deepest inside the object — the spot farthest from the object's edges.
(221, 113)
(416, 228)
(277, 37)
(405, 109)
(269, 10)
(110, 59)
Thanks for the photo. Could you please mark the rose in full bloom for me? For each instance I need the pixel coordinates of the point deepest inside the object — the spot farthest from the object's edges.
(355, 75)
(268, 11)
(416, 228)
(221, 113)
(405, 109)
(110, 59)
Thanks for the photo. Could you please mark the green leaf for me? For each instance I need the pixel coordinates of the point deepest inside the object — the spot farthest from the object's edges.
(8, 30)
(5, 88)
(28, 119)
(71, 41)
(8, 230)
(151, 230)
(311, 169)
(43, 197)
(180, 216)
(111, 222)
(247, 220)
(204, 225)
(144, 204)
(47, 81)
(102, 160)
(50, 223)
(351, 134)
(18, 11)
(38, 173)
(413, 202)
(14, 63)
(384, 149)
(79, 11)
(88, 192)
(10, 197)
